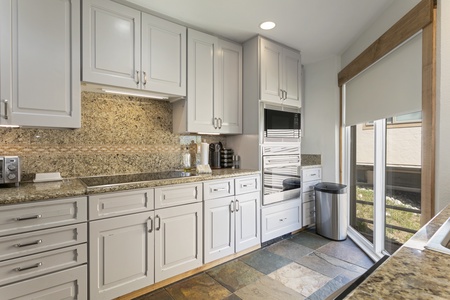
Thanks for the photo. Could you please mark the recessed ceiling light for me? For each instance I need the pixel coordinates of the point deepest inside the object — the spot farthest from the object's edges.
(267, 25)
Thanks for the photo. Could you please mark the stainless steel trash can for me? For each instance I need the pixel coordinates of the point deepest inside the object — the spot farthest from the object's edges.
(331, 210)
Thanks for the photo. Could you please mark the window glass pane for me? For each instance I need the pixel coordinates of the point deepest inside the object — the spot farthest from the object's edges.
(403, 183)
(361, 189)
(409, 118)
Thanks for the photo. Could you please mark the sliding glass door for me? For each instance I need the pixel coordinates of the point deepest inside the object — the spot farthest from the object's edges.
(384, 176)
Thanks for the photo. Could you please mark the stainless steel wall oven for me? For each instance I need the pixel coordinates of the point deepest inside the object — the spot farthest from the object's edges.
(281, 172)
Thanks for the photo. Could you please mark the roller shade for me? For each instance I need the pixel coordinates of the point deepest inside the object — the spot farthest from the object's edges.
(392, 86)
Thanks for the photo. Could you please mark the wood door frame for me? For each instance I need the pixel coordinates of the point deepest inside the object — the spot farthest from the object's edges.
(421, 17)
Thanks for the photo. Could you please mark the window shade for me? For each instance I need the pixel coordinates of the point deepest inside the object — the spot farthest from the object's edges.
(392, 86)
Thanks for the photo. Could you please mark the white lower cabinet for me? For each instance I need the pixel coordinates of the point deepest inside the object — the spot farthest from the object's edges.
(247, 220)
(43, 250)
(232, 223)
(178, 240)
(280, 219)
(67, 284)
(310, 177)
(121, 255)
(219, 228)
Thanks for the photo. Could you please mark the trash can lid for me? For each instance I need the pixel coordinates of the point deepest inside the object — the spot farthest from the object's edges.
(330, 187)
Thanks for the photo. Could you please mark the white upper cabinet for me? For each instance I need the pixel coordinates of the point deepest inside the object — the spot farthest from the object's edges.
(40, 63)
(163, 56)
(280, 74)
(125, 48)
(214, 100)
(203, 74)
(111, 44)
(228, 107)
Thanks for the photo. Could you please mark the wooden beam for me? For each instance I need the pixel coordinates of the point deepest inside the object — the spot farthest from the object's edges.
(415, 20)
(428, 121)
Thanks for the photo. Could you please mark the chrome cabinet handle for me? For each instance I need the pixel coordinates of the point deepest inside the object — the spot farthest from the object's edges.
(137, 77)
(19, 245)
(282, 220)
(220, 123)
(215, 123)
(229, 187)
(5, 102)
(237, 205)
(145, 78)
(232, 206)
(219, 190)
(20, 269)
(28, 218)
(150, 224)
(196, 193)
(159, 223)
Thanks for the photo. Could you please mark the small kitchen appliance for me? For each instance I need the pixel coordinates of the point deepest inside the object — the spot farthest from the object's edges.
(9, 170)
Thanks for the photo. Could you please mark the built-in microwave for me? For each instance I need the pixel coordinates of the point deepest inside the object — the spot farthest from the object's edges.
(281, 124)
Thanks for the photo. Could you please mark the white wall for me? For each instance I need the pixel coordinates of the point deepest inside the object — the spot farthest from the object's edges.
(321, 115)
(443, 106)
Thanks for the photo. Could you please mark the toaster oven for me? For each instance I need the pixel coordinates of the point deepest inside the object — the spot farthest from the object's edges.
(9, 169)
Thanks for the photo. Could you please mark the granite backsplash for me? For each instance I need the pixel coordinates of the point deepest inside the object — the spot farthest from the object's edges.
(118, 135)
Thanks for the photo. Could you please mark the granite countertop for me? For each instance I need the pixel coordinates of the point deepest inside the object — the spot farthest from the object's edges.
(412, 272)
(28, 191)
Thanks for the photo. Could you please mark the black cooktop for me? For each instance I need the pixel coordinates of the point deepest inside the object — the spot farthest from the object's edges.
(132, 178)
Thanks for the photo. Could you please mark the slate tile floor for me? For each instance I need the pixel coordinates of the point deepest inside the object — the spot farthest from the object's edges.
(304, 266)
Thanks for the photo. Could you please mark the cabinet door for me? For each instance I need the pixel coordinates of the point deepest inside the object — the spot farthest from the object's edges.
(163, 56)
(228, 106)
(203, 80)
(121, 252)
(219, 228)
(271, 71)
(111, 44)
(291, 77)
(247, 220)
(40, 63)
(178, 240)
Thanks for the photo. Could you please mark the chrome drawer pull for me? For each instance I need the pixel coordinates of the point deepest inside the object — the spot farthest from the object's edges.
(237, 205)
(281, 220)
(232, 206)
(28, 244)
(219, 190)
(28, 218)
(20, 269)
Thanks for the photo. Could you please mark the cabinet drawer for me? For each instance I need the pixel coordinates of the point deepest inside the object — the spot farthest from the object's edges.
(42, 240)
(178, 194)
(33, 216)
(280, 219)
(67, 284)
(308, 186)
(218, 189)
(120, 203)
(309, 196)
(309, 213)
(311, 174)
(247, 185)
(33, 265)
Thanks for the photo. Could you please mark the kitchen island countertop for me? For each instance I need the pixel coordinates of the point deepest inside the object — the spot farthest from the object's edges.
(412, 272)
(29, 191)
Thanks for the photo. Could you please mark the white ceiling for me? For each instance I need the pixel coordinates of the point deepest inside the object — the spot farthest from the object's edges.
(318, 28)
